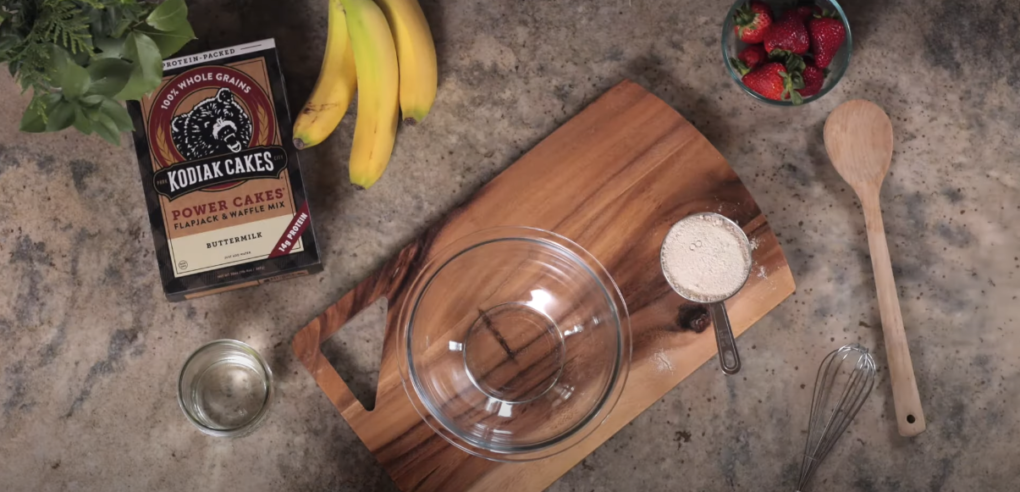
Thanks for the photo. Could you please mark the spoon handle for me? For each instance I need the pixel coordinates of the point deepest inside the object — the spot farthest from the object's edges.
(909, 415)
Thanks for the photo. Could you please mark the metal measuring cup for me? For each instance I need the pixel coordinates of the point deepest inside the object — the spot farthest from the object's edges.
(729, 358)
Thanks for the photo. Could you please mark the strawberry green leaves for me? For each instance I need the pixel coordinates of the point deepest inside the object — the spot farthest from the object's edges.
(794, 81)
(740, 66)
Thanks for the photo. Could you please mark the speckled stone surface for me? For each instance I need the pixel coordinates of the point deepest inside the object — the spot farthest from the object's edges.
(91, 349)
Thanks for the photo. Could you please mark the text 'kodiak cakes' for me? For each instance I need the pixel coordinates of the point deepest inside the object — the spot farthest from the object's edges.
(222, 179)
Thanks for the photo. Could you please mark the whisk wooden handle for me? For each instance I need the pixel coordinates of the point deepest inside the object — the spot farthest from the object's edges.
(909, 414)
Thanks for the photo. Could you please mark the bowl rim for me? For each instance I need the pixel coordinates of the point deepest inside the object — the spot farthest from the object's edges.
(727, 27)
(581, 429)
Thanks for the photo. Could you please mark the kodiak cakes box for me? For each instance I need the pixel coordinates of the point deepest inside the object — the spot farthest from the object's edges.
(221, 176)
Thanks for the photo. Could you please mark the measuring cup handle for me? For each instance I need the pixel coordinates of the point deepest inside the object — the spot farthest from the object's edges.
(729, 359)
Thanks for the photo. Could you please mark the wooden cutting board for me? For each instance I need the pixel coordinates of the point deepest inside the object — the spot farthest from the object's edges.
(614, 179)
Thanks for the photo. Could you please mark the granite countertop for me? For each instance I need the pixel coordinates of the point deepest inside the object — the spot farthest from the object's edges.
(91, 349)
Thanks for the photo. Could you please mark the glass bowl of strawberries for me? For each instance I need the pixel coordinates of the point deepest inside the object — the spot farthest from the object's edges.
(786, 53)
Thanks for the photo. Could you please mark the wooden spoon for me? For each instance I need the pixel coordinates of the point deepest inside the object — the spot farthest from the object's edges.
(859, 140)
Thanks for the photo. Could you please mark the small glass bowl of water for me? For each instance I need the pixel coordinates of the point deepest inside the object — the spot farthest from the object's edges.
(225, 388)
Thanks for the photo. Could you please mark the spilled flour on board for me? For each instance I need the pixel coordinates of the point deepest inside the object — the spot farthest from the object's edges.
(662, 362)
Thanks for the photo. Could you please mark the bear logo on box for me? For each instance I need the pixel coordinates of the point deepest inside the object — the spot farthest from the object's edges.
(216, 125)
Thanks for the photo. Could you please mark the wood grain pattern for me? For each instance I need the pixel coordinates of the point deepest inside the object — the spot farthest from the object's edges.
(614, 179)
(859, 140)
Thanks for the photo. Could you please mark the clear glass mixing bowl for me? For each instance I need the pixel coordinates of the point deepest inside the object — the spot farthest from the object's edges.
(515, 343)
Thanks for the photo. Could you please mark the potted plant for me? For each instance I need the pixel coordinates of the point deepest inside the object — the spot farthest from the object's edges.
(82, 58)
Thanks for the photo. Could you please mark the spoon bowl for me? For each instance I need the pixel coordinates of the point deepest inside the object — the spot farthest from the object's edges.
(859, 140)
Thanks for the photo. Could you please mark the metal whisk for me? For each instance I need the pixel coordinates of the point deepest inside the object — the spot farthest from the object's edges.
(844, 380)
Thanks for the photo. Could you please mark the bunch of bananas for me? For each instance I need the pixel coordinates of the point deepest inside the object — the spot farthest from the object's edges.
(384, 49)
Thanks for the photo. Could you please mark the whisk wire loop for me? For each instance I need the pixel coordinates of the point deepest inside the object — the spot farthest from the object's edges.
(848, 372)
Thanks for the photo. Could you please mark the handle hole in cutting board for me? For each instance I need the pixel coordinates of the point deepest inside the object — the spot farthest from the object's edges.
(355, 351)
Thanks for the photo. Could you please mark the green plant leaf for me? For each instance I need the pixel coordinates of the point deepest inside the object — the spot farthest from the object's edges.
(92, 101)
(60, 115)
(147, 66)
(106, 128)
(121, 26)
(116, 113)
(75, 81)
(32, 121)
(109, 76)
(66, 73)
(34, 118)
(82, 58)
(171, 15)
(7, 41)
(82, 121)
(59, 59)
(170, 42)
(109, 47)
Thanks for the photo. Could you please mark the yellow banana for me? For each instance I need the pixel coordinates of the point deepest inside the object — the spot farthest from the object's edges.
(334, 90)
(375, 56)
(416, 54)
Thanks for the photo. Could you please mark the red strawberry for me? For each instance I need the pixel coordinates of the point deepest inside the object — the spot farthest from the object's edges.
(752, 21)
(788, 34)
(806, 12)
(749, 59)
(827, 35)
(814, 77)
(771, 81)
(753, 56)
